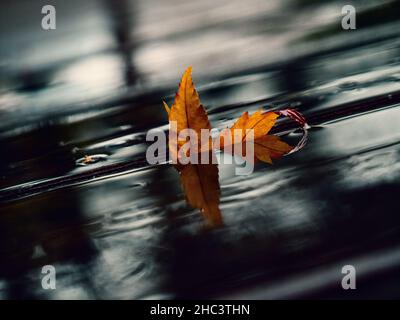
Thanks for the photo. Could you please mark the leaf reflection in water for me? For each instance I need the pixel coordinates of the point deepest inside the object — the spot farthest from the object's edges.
(201, 186)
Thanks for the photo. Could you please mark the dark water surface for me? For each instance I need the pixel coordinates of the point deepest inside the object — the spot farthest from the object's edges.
(120, 228)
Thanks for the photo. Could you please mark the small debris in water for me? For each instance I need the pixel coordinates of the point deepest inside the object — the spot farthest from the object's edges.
(90, 159)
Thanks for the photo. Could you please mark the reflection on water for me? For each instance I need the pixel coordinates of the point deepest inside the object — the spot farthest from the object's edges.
(119, 228)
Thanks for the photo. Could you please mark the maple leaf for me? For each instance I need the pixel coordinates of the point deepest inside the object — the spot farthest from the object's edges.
(261, 122)
(266, 147)
(199, 181)
(270, 147)
(187, 110)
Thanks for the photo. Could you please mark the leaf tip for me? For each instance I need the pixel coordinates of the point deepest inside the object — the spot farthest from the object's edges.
(166, 107)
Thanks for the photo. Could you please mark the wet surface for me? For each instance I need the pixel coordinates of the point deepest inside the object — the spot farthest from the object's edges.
(115, 227)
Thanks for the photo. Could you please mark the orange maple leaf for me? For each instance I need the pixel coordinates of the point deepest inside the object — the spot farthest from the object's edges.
(187, 110)
(199, 181)
(266, 147)
(260, 121)
(270, 147)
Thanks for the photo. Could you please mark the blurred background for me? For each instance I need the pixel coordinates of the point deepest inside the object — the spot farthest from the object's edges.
(118, 228)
